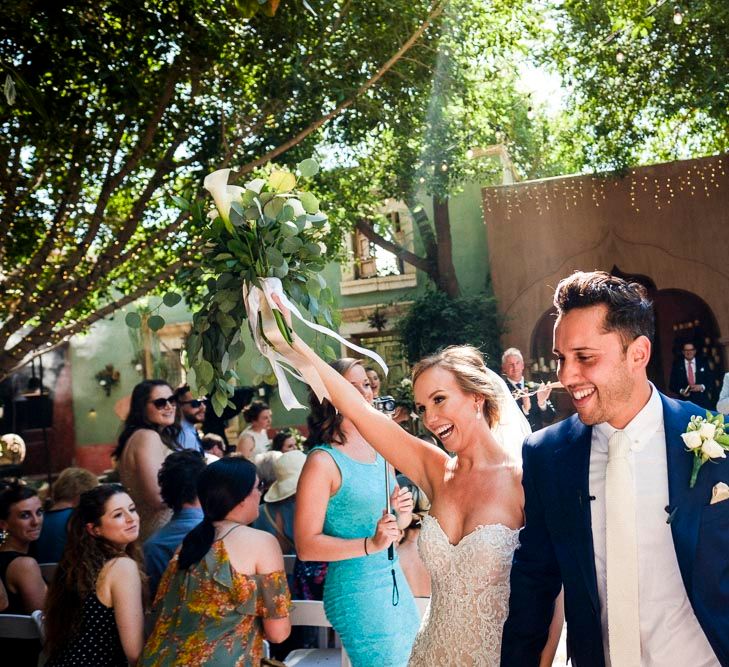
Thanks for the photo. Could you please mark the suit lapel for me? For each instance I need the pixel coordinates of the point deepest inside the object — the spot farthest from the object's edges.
(572, 466)
(684, 503)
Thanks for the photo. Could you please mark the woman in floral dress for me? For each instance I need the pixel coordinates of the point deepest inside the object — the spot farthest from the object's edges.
(226, 588)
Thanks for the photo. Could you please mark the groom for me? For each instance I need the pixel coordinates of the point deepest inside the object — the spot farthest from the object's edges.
(643, 558)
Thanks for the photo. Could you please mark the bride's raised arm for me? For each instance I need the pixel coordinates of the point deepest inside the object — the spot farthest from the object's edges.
(419, 460)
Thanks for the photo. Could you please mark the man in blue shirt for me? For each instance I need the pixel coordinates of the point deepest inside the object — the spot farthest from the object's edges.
(178, 486)
(192, 411)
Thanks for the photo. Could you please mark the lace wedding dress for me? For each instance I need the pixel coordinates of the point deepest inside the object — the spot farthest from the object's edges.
(470, 583)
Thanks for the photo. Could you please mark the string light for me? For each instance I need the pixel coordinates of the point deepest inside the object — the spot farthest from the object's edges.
(620, 56)
(677, 15)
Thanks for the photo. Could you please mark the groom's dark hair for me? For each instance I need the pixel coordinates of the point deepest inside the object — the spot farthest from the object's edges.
(629, 311)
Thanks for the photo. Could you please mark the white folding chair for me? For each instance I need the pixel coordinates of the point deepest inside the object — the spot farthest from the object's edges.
(48, 570)
(18, 626)
(311, 612)
(40, 621)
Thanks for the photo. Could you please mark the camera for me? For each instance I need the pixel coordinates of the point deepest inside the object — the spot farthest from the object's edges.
(385, 404)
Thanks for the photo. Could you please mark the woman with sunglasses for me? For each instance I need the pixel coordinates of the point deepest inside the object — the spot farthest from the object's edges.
(226, 588)
(149, 436)
(95, 609)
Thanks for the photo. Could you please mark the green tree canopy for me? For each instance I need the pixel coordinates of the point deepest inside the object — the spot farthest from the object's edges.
(109, 107)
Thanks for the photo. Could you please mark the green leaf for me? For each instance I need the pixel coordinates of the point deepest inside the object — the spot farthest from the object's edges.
(281, 271)
(313, 286)
(171, 299)
(133, 320)
(289, 229)
(156, 322)
(310, 202)
(282, 181)
(225, 362)
(274, 256)
(205, 372)
(273, 208)
(313, 249)
(291, 245)
(328, 353)
(181, 202)
(220, 401)
(260, 365)
(308, 168)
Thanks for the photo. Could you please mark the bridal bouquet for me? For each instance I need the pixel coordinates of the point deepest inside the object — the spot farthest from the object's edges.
(264, 238)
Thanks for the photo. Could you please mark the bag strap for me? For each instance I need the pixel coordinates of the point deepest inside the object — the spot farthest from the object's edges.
(279, 533)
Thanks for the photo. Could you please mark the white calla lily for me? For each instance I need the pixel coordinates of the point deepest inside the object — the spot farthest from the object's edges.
(223, 194)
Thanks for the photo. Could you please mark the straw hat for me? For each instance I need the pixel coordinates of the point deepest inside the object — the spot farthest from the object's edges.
(287, 468)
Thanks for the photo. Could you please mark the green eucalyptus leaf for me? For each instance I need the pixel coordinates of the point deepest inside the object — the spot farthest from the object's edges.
(274, 256)
(313, 286)
(156, 322)
(225, 362)
(292, 244)
(289, 229)
(133, 320)
(171, 299)
(273, 208)
(205, 372)
(308, 168)
(310, 202)
(313, 249)
(281, 271)
(281, 181)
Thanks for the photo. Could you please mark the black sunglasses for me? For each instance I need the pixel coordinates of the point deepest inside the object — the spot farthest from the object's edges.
(195, 402)
(160, 403)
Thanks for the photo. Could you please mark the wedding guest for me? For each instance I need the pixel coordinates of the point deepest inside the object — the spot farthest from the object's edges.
(340, 518)
(21, 520)
(279, 502)
(538, 409)
(609, 510)
(213, 447)
(226, 588)
(265, 465)
(692, 379)
(149, 436)
(374, 379)
(259, 417)
(722, 404)
(246, 446)
(192, 413)
(71, 483)
(285, 441)
(95, 608)
(178, 486)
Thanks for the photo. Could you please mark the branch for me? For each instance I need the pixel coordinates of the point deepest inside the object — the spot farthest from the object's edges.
(365, 227)
(28, 348)
(434, 13)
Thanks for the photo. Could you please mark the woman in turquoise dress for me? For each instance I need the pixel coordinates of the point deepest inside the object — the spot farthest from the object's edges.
(341, 518)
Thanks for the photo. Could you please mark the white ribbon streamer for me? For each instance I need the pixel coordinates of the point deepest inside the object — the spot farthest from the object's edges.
(259, 300)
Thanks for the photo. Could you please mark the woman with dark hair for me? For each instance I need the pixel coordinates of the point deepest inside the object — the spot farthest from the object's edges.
(259, 417)
(284, 441)
(226, 588)
(149, 436)
(21, 520)
(95, 608)
(340, 518)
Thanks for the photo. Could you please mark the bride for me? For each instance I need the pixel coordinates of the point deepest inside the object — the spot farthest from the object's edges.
(468, 539)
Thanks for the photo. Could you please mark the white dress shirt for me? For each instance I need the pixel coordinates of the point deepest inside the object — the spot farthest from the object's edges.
(669, 632)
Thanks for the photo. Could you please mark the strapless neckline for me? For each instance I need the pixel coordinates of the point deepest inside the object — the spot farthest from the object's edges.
(475, 531)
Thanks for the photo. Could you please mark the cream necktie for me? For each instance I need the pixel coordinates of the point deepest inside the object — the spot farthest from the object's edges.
(622, 556)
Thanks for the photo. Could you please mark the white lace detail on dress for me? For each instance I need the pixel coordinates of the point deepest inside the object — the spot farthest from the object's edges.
(470, 584)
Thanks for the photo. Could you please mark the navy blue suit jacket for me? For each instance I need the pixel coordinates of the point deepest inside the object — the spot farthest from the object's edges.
(556, 542)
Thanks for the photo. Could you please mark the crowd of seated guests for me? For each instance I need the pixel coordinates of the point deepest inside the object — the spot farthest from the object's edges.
(211, 522)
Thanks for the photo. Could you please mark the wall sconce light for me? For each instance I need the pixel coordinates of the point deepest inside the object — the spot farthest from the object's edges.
(92, 413)
(107, 378)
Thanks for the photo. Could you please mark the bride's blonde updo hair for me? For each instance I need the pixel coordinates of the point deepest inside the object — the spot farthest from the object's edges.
(468, 367)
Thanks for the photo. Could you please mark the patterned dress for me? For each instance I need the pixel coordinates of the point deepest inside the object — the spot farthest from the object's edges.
(212, 615)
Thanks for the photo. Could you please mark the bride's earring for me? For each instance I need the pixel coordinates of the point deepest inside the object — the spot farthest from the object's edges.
(3, 536)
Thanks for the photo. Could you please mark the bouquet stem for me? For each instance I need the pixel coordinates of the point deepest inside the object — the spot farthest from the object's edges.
(282, 326)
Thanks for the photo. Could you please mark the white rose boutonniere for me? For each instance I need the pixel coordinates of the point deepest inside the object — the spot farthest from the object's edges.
(705, 438)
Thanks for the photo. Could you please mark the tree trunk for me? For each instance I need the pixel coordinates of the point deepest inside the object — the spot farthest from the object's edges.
(447, 279)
